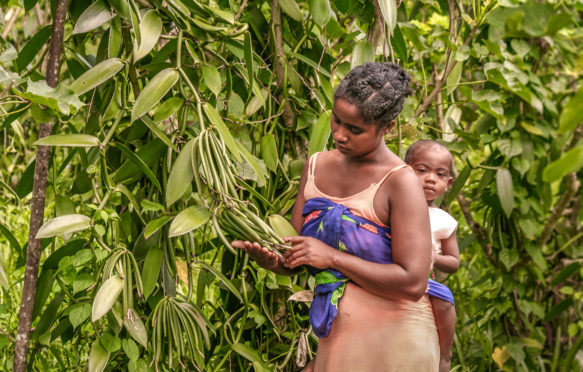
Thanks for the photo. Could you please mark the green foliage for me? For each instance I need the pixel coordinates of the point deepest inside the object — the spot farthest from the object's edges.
(182, 124)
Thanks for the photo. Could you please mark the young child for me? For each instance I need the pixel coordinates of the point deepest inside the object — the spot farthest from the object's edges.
(432, 162)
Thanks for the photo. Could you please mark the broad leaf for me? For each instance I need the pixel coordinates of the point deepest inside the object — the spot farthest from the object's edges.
(151, 270)
(181, 175)
(320, 11)
(153, 92)
(94, 16)
(223, 279)
(505, 190)
(212, 78)
(66, 224)
(106, 297)
(320, 134)
(362, 53)
(189, 219)
(96, 75)
(269, 152)
(68, 140)
(217, 121)
(150, 30)
(98, 357)
(571, 161)
(572, 114)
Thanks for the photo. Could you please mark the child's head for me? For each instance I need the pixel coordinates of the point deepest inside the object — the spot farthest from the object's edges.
(378, 90)
(433, 164)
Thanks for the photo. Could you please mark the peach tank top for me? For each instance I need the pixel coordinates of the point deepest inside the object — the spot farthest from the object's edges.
(360, 204)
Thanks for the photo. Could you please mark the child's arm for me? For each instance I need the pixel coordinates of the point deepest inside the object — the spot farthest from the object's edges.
(449, 261)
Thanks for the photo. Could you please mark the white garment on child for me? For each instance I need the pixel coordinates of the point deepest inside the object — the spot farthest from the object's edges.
(442, 226)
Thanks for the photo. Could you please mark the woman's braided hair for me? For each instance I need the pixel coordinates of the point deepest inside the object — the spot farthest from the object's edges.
(377, 89)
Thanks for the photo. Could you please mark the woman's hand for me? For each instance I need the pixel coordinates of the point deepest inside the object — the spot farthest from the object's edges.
(306, 250)
(263, 256)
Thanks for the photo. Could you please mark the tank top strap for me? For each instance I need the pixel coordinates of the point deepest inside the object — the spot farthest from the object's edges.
(393, 170)
(312, 165)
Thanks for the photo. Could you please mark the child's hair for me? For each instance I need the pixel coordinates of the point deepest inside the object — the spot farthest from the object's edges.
(410, 154)
(377, 89)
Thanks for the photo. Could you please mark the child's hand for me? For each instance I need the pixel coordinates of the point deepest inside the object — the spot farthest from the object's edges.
(263, 256)
(308, 251)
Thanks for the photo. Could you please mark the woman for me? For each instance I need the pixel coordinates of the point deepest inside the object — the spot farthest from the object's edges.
(365, 231)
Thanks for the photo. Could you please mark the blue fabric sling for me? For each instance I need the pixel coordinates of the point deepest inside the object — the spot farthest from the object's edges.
(337, 227)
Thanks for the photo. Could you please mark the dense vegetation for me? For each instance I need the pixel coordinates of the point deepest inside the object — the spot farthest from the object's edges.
(170, 117)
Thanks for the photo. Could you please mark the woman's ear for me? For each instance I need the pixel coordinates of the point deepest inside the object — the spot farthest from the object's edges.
(389, 126)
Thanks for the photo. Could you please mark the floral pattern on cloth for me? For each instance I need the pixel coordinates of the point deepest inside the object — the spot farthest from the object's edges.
(336, 226)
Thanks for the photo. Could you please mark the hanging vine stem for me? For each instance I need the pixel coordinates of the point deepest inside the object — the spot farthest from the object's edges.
(196, 96)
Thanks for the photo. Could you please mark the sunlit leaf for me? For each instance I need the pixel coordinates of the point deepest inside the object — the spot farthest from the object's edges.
(153, 92)
(106, 297)
(96, 75)
(68, 140)
(150, 30)
(189, 219)
(94, 16)
(66, 224)
(505, 190)
(320, 133)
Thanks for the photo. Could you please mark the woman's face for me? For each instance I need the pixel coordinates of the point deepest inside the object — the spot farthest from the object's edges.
(352, 136)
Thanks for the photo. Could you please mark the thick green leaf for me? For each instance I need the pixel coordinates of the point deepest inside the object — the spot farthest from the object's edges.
(98, 357)
(153, 226)
(181, 175)
(4, 281)
(398, 43)
(150, 154)
(281, 225)
(168, 108)
(248, 47)
(49, 315)
(150, 30)
(505, 190)
(151, 270)
(32, 48)
(321, 12)
(320, 133)
(571, 161)
(94, 16)
(153, 92)
(189, 219)
(212, 78)
(389, 11)
(135, 327)
(96, 75)
(269, 152)
(66, 224)
(106, 297)
(68, 140)
(158, 132)
(224, 132)
(223, 279)
(141, 163)
(458, 183)
(572, 114)
(248, 353)
(79, 313)
(362, 53)
(61, 99)
(291, 8)
(454, 77)
(565, 273)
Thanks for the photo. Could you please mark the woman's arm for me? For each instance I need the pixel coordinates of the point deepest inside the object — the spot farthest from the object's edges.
(449, 261)
(263, 256)
(411, 246)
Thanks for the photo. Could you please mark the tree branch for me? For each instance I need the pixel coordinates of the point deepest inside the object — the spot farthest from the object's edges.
(38, 199)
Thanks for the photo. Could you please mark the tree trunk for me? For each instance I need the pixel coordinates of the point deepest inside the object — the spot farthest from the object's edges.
(38, 200)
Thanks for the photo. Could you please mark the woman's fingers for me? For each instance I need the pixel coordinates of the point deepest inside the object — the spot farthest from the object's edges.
(294, 239)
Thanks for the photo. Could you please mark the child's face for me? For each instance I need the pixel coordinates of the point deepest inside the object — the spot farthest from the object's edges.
(432, 164)
(352, 136)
